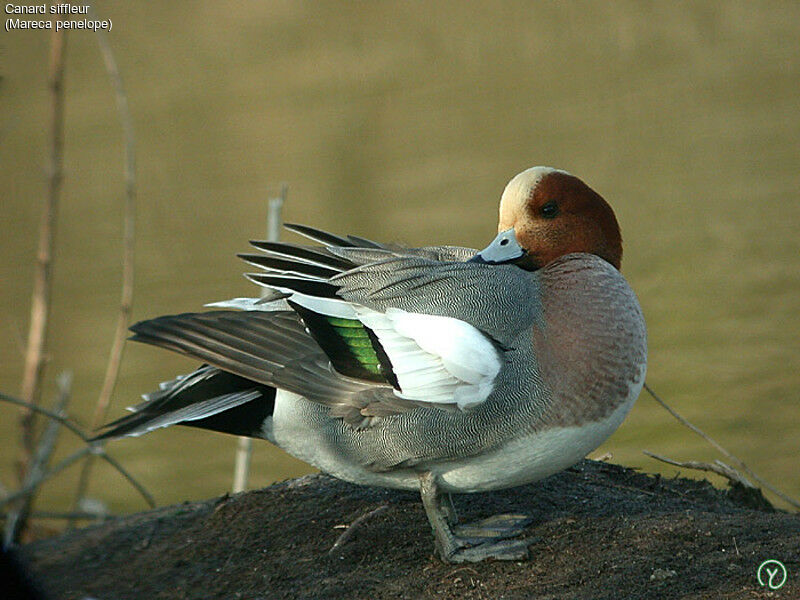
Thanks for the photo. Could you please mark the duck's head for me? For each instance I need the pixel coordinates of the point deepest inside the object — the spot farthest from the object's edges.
(546, 213)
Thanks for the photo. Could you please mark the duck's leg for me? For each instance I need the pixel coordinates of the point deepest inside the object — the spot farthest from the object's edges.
(450, 509)
(447, 544)
(475, 542)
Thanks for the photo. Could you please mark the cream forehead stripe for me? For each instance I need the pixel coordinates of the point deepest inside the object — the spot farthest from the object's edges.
(519, 188)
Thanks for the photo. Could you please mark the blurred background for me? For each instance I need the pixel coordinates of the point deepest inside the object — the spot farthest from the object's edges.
(403, 122)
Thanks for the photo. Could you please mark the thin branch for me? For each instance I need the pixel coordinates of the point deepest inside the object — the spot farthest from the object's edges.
(128, 237)
(241, 465)
(128, 244)
(244, 447)
(274, 214)
(67, 516)
(48, 413)
(716, 445)
(31, 487)
(351, 529)
(126, 474)
(718, 467)
(42, 283)
(96, 448)
(17, 520)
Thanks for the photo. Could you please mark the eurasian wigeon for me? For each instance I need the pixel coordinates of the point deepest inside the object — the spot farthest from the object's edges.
(436, 369)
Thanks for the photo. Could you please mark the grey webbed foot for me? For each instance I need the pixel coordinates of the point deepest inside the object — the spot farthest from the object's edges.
(496, 549)
(499, 527)
(472, 542)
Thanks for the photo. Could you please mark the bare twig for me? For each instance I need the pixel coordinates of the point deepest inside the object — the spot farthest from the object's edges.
(244, 447)
(128, 239)
(40, 301)
(718, 467)
(148, 497)
(716, 445)
(241, 466)
(48, 413)
(96, 448)
(17, 520)
(348, 533)
(31, 487)
(70, 516)
(274, 221)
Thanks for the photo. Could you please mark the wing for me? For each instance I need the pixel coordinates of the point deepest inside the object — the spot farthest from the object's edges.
(433, 330)
(264, 348)
(364, 328)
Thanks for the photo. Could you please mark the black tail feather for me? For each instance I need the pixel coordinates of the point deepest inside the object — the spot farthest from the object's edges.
(282, 266)
(203, 384)
(318, 235)
(317, 256)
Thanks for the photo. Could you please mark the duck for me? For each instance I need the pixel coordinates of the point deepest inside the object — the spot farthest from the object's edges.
(439, 369)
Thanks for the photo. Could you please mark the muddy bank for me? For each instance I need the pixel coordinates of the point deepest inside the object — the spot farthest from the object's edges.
(600, 531)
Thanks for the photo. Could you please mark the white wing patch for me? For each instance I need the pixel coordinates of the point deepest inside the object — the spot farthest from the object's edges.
(436, 359)
(262, 304)
(332, 307)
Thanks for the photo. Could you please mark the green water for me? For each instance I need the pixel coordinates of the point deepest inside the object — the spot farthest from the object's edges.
(403, 123)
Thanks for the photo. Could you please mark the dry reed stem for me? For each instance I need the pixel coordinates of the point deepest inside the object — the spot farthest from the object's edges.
(351, 529)
(128, 236)
(718, 467)
(37, 467)
(244, 446)
(49, 514)
(128, 246)
(93, 447)
(30, 488)
(35, 349)
(716, 445)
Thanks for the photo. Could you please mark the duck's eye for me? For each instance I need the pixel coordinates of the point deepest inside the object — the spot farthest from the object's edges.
(550, 209)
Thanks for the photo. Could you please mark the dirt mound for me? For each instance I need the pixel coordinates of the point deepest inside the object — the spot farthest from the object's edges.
(600, 531)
